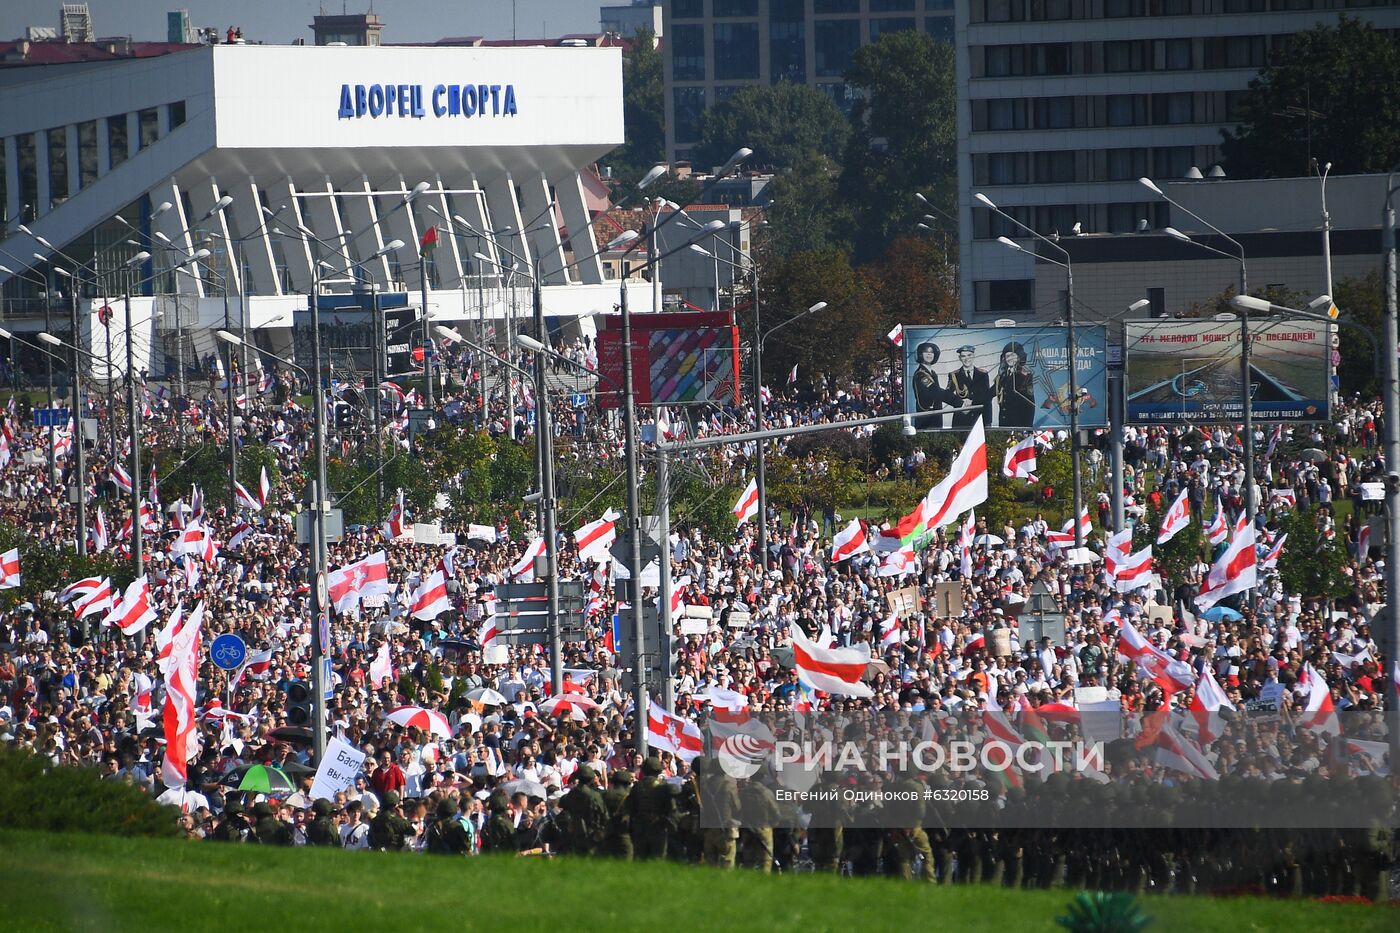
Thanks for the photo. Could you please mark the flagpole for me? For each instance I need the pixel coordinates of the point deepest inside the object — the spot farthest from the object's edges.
(427, 334)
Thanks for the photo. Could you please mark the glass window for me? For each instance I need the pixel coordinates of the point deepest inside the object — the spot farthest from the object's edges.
(1008, 295)
(938, 4)
(116, 138)
(1003, 11)
(1171, 108)
(736, 50)
(87, 153)
(939, 27)
(786, 11)
(148, 125)
(689, 105)
(1127, 164)
(998, 60)
(1126, 109)
(27, 151)
(891, 6)
(1244, 52)
(735, 7)
(687, 9)
(177, 114)
(1054, 113)
(1171, 161)
(836, 6)
(1113, 9)
(1051, 10)
(688, 53)
(1006, 114)
(1054, 167)
(1006, 168)
(878, 27)
(787, 51)
(836, 41)
(1051, 58)
(1178, 54)
(1123, 56)
(58, 166)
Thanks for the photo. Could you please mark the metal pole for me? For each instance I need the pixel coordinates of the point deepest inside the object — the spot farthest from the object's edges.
(655, 268)
(663, 513)
(80, 456)
(481, 336)
(544, 445)
(427, 333)
(758, 410)
(232, 413)
(1115, 442)
(111, 396)
(320, 634)
(1246, 373)
(1071, 350)
(377, 342)
(634, 524)
(48, 370)
(1390, 633)
(137, 558)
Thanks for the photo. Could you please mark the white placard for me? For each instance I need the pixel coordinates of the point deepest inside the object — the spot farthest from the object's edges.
(426, 533)
(1372, 492)
(691, 626)
(481, 533)
(495, 654)
(341, 763)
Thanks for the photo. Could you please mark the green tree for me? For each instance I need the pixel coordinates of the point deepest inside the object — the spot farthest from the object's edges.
(788, 126)
(808, 213)
(904, 137)
(914, 283)
(1312, 564)
(48, 566)
(1333, 93)
(842, 340)
(643, 106)
(1359, 300)
(1174, 559)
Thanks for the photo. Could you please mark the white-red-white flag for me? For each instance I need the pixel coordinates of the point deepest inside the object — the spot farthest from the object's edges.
(1319, 712)
(1270, 560)
(1206, 706)
(891, 634)
(347, 585)
(246, 500)
(1134, 572)
(1064, 538)
(1020, 462)
(9, 570)
(524, 569)
(1218, 529)
(849, 542)
(134, 612)
(1235, 571)
(94, 601)
(747, 506)
(595, 538)
(430, 599)
(1176, 518)
(671, 733)
(181, 686)
(896, 336)
(837, 671)
(264, 486)
(381, 669)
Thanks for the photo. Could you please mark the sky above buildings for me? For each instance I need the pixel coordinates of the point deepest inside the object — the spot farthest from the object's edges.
(282, 21)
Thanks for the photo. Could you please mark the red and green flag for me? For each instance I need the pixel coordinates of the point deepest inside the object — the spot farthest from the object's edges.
(429, 240)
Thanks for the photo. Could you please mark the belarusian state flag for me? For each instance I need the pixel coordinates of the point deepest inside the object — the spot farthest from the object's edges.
(429, 240)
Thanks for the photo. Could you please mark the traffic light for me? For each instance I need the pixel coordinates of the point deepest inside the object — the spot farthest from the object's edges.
(342, 414)
(298, 704)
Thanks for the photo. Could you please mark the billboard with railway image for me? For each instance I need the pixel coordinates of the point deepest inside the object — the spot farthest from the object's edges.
(1189, 370)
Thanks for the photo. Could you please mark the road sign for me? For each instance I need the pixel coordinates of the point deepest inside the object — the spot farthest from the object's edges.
(328, 678)
(579, 400)
(227, 652)
(323, 597)
(50, 417)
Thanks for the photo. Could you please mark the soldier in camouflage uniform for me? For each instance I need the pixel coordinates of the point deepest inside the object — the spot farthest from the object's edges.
(910, 842)
(322, 831)
(234, 827)
(758, 814)
(389, 831)
(618, 840)
(498, 835)
(585, 814)
(270, 830)
(651, 812)
(716, 792)
(447, 835)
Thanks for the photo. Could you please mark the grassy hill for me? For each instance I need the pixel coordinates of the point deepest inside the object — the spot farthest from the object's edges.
(79, 882)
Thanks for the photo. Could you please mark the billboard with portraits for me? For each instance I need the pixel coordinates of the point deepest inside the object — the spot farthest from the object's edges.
(1016, 378)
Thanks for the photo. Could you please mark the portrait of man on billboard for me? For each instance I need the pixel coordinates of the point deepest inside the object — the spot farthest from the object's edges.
(1014, 387)
(970, 389)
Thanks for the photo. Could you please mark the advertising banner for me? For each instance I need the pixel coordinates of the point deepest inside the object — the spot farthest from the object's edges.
(1016, 378)
(677, 358)
(1189, 370)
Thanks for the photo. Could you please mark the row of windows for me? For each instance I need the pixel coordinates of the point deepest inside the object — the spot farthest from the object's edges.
(735, 46)
(1018, 11)
(81, 165)
(1066, 166)
(1059, 219)
(1130, 55)
(790, 10)
(1094, 111)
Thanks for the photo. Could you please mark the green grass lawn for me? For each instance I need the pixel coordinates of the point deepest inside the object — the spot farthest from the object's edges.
(77, 882)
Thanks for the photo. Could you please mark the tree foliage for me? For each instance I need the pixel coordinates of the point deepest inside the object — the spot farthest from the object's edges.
(1311, 563)
(788, 286)
(48, 566)
(1332, 94)
(808, 213)
(915, 282)
(788, 126)
(904, 137)
(1172, 560)
(643, 106)
(1360, 302)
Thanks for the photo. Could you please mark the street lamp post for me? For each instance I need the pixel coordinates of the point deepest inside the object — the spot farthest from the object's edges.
(1115, 425)
(1391, 633)
(1071, 352)
(1246, 367)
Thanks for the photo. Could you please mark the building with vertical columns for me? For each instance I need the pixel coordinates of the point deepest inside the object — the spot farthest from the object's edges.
(106, 158)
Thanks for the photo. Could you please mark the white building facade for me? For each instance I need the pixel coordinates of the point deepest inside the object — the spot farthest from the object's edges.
(1064, 104)
(319, 149)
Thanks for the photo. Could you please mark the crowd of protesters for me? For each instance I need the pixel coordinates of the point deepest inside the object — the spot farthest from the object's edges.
(510, 776)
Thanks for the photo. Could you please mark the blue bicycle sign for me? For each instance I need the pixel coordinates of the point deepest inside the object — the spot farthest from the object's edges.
(227, 652)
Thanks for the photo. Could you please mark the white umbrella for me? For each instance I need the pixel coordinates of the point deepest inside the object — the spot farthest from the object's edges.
(527, 787)
(987, 540)
(487, 697)
(469, 723)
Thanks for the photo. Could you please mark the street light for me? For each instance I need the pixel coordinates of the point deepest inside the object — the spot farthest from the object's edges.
(1071, 349)
(1246, 368)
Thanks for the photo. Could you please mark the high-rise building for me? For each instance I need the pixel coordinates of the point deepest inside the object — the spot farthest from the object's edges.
(347, 29)
(713, 47)
(1064, 104)
(626, 20)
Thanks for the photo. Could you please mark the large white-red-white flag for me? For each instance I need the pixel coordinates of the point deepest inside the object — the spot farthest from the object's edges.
(381, 669)
(747, 506)
(134, 612)
(1235, 571)
(595, 538)
(1176, 518)
(1206, 706)
(179, 718)
(964, 487)
(849, 542)
(837, 671)
(348, 585)
(1134, 572)
(671, 733)
(1319, 712)
(524, 569)
(1218, 529)
(1019, 462)
(430, 599)
(1064, 538)
(9, 570)
(1115, 551)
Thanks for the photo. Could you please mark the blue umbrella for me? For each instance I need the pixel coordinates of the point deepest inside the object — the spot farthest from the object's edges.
(1221, 614)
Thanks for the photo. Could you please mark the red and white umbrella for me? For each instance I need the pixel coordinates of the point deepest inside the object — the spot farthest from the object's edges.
(420, 718)
(568, 704)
